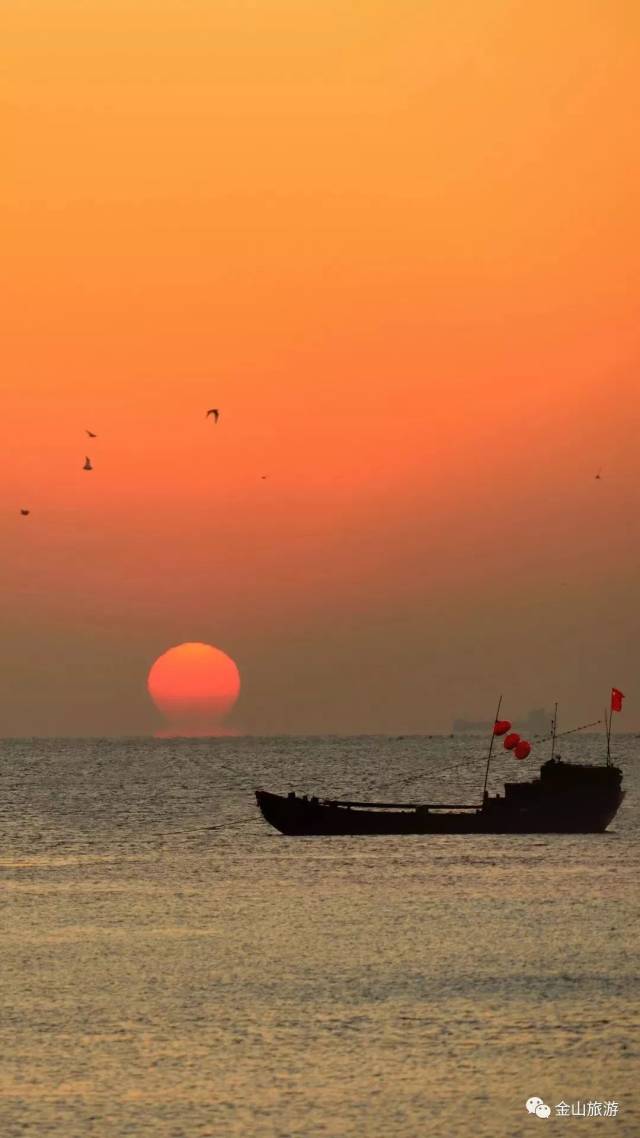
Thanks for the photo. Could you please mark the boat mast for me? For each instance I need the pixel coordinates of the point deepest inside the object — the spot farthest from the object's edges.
(553, 730)
(607, 727)
(486, 773)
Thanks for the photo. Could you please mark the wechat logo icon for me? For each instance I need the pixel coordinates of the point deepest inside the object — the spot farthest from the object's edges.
(538, 1107)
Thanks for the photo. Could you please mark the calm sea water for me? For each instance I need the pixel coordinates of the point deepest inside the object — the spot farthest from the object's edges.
(173, 967)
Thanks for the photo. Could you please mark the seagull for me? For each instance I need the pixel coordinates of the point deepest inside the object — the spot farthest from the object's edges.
(215, 412)
(25, 513)
(87, 463)
(91, 435)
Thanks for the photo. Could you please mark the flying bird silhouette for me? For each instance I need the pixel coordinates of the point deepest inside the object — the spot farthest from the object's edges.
(87, 463)
(25, 513)
(215, 412)
(91, 435)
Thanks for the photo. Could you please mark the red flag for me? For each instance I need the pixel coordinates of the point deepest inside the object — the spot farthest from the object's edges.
(616, 699)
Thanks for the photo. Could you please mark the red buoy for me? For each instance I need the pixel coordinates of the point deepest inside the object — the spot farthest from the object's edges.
(501, 727)
(511, 741)
(522, 749)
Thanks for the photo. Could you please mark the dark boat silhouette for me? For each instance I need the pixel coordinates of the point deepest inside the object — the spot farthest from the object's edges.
(566, 798)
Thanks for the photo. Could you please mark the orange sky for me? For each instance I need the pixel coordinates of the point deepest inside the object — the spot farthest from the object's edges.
(398, 245)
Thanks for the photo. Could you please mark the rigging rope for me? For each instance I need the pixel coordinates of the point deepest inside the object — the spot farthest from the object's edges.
(444, 767)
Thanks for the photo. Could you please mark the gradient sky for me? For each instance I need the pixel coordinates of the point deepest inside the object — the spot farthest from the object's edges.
(398, 245)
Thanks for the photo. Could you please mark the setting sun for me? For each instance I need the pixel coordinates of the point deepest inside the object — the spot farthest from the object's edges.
(194, 686)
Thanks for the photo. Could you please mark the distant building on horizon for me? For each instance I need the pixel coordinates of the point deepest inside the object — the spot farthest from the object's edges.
(536, 722)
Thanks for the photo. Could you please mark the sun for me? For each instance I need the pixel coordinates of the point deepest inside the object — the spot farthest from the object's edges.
(194, 686)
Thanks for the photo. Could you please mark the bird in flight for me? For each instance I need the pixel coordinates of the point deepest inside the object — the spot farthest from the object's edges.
(91, 435)
(87, 463)
(213, 411)
(25, 513)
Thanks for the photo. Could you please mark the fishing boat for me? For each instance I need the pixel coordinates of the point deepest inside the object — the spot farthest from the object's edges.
(565, 798)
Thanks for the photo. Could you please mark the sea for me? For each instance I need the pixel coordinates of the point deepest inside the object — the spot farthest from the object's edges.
(174, 968)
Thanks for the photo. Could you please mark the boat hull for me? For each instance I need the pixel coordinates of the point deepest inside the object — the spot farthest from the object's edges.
(295, 816)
